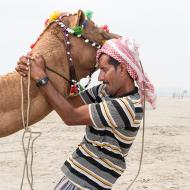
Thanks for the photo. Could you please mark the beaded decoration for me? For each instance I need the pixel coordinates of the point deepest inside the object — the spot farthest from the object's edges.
(75, 87)
(78, 32)
(71, 31)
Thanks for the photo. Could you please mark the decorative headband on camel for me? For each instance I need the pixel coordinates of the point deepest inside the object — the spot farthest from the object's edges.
(77, 31)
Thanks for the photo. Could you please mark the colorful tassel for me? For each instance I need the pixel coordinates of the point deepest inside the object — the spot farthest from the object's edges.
(78, 30)
(103, 42)
(74, 90)
(46, 22)
(105, 28)
(89, 14)
(54, 15)
(81, 88)
(33, 45)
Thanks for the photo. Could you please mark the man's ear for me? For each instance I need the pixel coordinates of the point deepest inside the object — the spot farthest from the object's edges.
(78, 19)
(123, 68)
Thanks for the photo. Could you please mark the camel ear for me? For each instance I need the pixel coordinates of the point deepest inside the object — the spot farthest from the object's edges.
(79, 18)
(108, 35)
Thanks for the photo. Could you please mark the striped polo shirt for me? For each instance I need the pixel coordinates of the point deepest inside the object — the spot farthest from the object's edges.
(99, 159)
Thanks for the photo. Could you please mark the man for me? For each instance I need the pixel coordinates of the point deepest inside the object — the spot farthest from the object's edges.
(112, 112)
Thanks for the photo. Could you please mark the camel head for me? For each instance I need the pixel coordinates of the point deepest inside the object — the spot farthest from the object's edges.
(53, 46)
(82, 48)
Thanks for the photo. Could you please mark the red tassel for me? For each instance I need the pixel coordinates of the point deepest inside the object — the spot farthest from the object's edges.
(74, 89)
(33, 45)
(105, 28)
(46, 22)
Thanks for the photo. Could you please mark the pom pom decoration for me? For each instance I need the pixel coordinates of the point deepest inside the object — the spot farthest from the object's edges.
(33, 45)
(46, 22)
(105, 28)
(81, 88)
(74, 90)
(103, 42)
(78, 30)
(54, 15)
(89, 14)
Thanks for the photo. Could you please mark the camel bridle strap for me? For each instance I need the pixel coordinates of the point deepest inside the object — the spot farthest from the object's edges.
(72, 73)
(69, 81)
(66, 31)
(71, 31)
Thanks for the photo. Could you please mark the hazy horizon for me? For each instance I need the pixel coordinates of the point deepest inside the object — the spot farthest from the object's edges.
(161, 28)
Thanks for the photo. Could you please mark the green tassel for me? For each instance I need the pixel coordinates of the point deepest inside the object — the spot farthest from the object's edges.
(78, 30)
(81, 88)
(89, 14)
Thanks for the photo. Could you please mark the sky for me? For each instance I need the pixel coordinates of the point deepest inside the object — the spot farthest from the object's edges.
(161, 28)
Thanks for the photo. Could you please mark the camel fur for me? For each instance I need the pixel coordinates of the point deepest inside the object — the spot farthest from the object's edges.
(51, 46)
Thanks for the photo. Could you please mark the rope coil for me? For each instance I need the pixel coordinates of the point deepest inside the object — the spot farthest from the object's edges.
(29, 141)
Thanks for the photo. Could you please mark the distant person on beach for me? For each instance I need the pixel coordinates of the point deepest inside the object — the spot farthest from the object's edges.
(111, 111)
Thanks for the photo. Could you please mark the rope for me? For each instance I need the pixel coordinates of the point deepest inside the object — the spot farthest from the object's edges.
(28, 130)
(29, 142)
(143, 139)
(142, 150)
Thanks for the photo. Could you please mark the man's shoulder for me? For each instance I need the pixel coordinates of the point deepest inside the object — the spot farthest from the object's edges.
(132, 97)
(129, 102)
(94, 95)
(98, 91)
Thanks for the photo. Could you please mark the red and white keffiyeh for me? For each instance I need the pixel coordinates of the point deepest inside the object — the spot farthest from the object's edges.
(126, 51)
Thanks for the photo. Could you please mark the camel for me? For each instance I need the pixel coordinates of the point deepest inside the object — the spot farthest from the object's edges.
(51, 45)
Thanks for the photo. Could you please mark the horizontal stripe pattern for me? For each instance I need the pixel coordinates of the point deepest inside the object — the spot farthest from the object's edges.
(99, 159)
(105, 162)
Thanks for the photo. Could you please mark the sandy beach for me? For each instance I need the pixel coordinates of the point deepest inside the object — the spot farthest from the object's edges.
(166, 161)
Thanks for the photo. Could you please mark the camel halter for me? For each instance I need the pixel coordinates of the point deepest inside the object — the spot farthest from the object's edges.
(73, 81)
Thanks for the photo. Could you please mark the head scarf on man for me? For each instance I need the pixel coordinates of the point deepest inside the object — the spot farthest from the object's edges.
(125, 51)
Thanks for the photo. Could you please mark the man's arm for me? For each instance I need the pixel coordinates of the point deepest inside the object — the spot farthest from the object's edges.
(75, 113)
(72, 114)
(75, 101)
